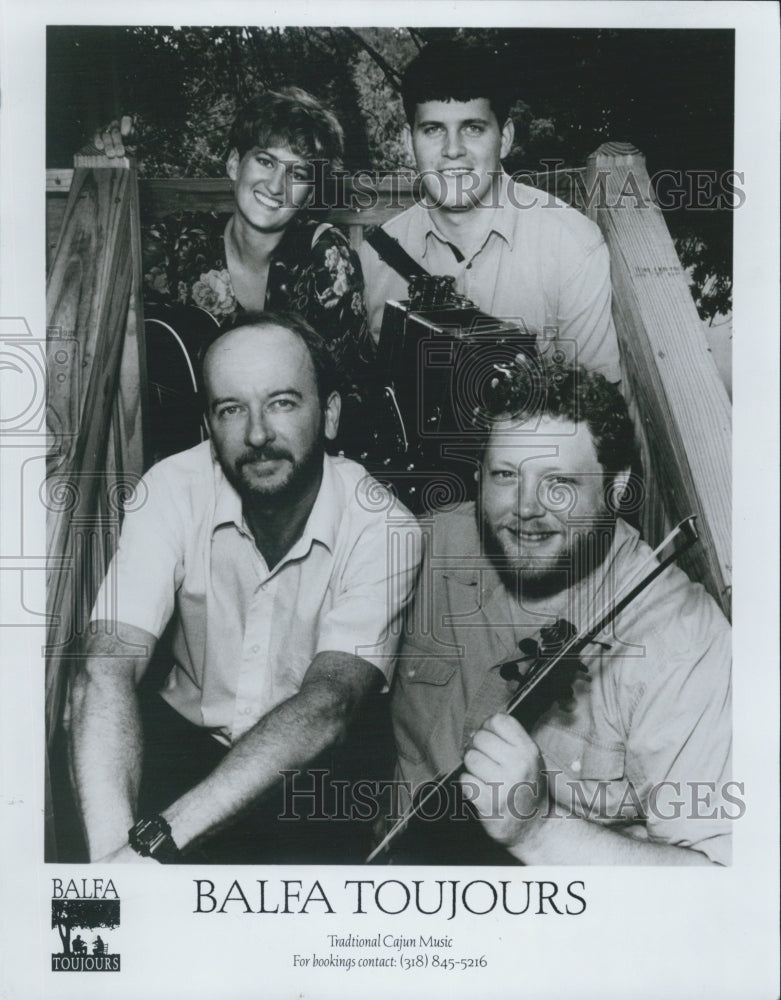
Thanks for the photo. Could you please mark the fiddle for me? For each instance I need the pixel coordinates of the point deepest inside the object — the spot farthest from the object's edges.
(544, 672)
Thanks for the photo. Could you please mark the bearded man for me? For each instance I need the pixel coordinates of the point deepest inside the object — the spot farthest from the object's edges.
(630, 766)
(270, 568)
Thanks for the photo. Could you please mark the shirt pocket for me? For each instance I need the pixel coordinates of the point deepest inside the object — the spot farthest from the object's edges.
(438, 672)
(421, 690)
(580, 755)
(587, 777)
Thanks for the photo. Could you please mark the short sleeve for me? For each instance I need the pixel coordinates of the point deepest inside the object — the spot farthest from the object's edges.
(140, 585)
(375, 585)
(585, 318)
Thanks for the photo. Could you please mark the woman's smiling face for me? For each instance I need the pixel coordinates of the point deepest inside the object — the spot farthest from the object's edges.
(271, 185)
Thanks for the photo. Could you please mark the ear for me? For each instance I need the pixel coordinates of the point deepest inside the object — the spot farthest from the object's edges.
(508, 134)
(619, 488)
(207, 416)
(232, 164)
(333, 409)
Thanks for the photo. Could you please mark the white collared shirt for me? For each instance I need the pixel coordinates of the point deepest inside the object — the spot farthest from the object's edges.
(244, 635)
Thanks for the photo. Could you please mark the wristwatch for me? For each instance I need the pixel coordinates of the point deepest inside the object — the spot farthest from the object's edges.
(152, 839)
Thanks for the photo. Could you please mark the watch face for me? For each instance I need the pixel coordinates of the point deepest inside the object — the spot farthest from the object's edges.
(152, 838)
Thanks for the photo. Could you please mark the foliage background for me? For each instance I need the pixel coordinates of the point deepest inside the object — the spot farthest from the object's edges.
(670, 92)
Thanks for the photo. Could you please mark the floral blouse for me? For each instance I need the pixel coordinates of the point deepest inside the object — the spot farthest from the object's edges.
(315, 274)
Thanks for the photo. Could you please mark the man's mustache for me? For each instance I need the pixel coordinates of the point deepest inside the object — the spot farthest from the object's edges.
(266, 454)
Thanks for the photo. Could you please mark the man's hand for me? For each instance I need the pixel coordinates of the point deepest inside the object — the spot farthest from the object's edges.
(113, 140)
(124, 855)
(505, 782)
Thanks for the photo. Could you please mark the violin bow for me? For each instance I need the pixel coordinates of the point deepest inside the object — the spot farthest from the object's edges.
(687, 530)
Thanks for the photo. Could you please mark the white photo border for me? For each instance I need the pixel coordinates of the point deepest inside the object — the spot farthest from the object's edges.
(657, 932)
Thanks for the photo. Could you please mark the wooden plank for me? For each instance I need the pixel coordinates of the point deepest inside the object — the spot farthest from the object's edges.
(161, 197)
(87, 305)
(195, 190)
(55, 213)
(58, 181)
(355, 199)
(49, 832)
(684, 407)
(131, 399)
(359, 201)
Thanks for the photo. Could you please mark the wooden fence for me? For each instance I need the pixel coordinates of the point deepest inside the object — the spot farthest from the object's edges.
(97, 362)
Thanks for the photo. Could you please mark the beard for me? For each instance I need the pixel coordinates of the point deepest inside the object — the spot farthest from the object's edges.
(300, 476)
(537, 576)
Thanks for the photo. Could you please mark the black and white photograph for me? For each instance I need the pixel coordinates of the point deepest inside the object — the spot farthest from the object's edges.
(370, 526)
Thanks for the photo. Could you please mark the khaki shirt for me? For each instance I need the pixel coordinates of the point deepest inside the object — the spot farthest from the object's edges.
(654, 708)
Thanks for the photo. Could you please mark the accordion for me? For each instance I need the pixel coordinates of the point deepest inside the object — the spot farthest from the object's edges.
(437, 353)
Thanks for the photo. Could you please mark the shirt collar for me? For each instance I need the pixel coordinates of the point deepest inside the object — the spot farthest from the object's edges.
(227, 506)
(321, 525)
(502, 222)
(323, 521)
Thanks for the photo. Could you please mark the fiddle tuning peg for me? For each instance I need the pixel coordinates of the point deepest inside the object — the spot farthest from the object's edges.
(510, 671)
(529, 648)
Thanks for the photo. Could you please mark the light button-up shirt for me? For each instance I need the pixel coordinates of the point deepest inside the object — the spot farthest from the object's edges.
(243, 635)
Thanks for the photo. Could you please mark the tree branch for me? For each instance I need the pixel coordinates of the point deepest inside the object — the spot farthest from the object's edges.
(392, 76)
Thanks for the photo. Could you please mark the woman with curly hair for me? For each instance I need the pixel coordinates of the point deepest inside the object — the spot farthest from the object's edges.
(271, 254)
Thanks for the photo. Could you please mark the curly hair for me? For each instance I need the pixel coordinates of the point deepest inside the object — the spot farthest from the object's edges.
(289, 117)
(530, 389)
(456, 71)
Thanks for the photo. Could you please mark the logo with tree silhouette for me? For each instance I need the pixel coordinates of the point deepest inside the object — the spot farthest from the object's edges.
(77, 921)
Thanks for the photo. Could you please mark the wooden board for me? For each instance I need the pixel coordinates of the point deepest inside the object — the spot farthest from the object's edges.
(684, 407)
(87, 309)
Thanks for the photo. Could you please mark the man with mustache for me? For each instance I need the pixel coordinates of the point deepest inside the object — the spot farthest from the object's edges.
(270, 567)
(632, 765)
(519, 254)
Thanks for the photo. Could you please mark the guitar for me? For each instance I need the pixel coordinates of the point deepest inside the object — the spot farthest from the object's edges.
(177, 338)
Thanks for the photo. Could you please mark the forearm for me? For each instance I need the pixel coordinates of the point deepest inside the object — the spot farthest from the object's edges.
(106, 753)
(290, 736)
(570, 840)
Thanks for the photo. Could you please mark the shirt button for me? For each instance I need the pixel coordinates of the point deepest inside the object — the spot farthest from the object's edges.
(255, 649)
(411, 672)
(576, 766)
